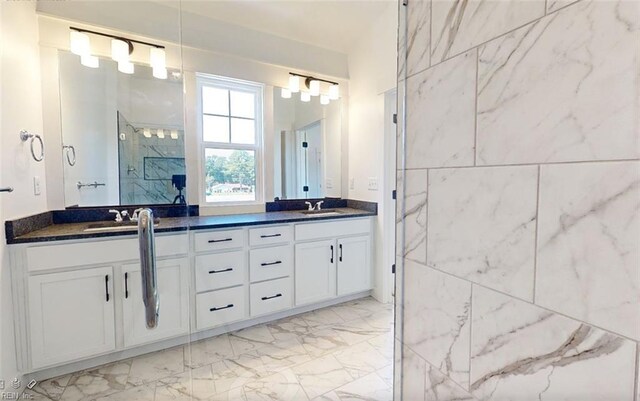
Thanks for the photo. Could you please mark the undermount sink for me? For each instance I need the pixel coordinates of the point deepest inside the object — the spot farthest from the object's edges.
(114, 226)
(318, 213)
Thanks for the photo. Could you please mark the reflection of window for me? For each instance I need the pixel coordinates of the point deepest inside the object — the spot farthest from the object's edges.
(231, 134)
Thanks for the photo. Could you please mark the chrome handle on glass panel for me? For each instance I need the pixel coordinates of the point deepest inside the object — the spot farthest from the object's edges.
(148, 271)
(25, 136)
(70, 150)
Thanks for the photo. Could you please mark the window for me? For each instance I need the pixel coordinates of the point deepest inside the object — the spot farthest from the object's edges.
(231, 136)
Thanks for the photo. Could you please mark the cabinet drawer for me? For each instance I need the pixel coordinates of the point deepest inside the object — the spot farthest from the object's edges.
(269, 263)
(219, 270)
(270, 235)
(270, 296)
(217, 240)
(329, 229)
(219, 307)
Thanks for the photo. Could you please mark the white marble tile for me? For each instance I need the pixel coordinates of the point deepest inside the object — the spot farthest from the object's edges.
(288, 328)
(151, 367)
(520, 351)
(367, 388)
(457, 26)
(413, 376)
(386, 374)
(563, 88)
(419, 36)
(194, 384)
(361, 359)
(52, 388)
(98, 382)
(482, 226)
(384, 345)
(357, 331)
(555, 5)
(283, 386)
(414, 219)
(439, 387)
(441, 106)
(322, 317)
(206, 352)
(588, 244)
(250, 339)
(144, 392)
(438, 320)
(283, 354)
(323, 341)
(321, 375)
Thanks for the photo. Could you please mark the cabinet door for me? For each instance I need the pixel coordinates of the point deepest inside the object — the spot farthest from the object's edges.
(71, 315)
(315, 271)
(354, 266)
(173, 290)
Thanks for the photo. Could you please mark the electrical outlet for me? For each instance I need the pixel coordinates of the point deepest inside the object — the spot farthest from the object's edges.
(36, 185)
(329, 183)
(352, 183)
(373, 184)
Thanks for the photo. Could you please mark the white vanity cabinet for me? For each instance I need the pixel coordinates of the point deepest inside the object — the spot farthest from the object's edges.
(71, 315)
(173, 287)
(354, 265)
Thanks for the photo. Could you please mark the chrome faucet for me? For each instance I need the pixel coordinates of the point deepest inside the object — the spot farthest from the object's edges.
(310, 206)
(318, 205)
(135, 214)
(118, 215)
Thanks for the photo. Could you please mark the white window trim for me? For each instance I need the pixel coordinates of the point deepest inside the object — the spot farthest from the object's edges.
(232, 84)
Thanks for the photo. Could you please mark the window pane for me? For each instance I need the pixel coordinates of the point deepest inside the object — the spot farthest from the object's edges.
(230, 175)
(215, 101)
(243, 131)
(243, 104)
(215, 129)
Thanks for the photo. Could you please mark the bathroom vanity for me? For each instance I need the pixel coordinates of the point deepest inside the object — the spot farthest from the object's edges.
(78, 301)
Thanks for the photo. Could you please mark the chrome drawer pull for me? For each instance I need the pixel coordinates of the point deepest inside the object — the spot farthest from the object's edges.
(271, 236)
(275, 296)
(221, 308)
(220, 271)
(213, 241)
(277, 262)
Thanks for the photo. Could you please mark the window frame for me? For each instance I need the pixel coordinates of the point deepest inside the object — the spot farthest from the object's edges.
(205, 80)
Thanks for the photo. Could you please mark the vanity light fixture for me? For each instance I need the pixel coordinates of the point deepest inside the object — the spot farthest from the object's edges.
(146, 132)
(174, 134)
(314, 88)
(160, 133)
(121, 50)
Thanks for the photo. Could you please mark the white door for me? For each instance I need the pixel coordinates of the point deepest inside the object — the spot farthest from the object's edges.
(315, 271)
(173, 289)
(72, 315)
(354, 266)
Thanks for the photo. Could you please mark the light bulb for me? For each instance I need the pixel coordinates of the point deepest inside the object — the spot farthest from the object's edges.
(89, 61)
(160, 72)
(305, 96)
(294, 83)
(160, 133)
(126, 67)
(314, 87)
(119, 50)
(286, 93)
(79, 43)
(157, 58)
(146, 132)
(174, 134)
(324, 99)
(334, 92)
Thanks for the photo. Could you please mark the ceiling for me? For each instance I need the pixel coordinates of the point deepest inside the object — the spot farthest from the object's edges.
(331, 24)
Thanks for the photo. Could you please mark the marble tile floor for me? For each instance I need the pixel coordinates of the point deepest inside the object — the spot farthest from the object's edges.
(339, 353)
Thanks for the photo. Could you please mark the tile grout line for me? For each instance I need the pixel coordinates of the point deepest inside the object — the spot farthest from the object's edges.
(475, 113)
(470, 334)
(636, 386)
(557, 163)
(623, 336)
(535, 242)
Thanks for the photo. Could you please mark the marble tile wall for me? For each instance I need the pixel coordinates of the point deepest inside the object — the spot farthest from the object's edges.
(519, 201)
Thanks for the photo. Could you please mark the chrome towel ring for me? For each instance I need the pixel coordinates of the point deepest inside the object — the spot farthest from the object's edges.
(25, 136)
(71, 154)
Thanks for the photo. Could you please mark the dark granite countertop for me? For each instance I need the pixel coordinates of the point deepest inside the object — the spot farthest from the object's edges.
(69, 231)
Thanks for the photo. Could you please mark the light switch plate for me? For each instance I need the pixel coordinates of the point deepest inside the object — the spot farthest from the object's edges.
(373, 184)
(352, 183)
(329, 183)
(36, 185)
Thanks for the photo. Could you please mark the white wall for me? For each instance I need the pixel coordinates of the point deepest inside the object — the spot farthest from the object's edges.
(20, 108)
(372, 70)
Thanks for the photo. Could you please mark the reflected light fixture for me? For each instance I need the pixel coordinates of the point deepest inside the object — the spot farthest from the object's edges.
(314, 87)
(146, 132)
(285, 93)
(160, 133)
(126, 67)
(334, 92)
(119, 50)
(89, 61)
(79, 43)
(294, 83)
(174, 134)
(160, 72)
(157, 57)
(305, 96)
(324, 99)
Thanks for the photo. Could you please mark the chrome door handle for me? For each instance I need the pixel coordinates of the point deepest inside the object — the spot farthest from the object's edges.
(7, 189)
(148, 270)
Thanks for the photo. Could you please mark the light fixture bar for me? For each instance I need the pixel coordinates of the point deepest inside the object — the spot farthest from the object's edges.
(312, 78)
(127, 40)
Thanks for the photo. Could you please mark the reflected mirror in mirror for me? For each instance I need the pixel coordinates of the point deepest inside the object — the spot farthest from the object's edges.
(307, 148)
(126, 131)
